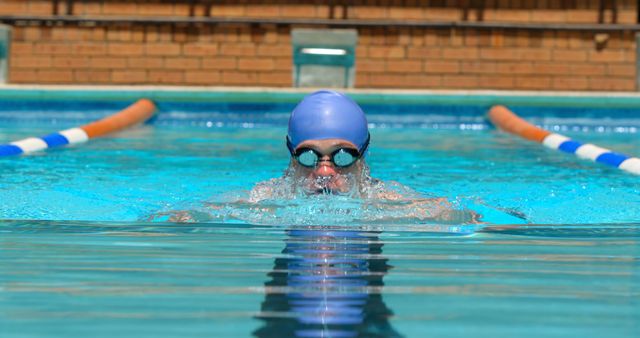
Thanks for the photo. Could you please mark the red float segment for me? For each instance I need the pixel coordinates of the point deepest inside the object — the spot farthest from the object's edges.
(506, 120)
(138, 112)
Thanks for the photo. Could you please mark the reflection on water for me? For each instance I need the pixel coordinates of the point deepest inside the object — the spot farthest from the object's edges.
(328, 283)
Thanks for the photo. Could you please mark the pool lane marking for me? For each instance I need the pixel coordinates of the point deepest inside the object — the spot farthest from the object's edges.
(138, 112)
(506, 120)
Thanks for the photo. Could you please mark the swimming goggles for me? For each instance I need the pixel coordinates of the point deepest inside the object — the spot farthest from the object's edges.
(341, 157)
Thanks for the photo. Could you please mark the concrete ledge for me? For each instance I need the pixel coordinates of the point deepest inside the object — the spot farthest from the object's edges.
(291, 95)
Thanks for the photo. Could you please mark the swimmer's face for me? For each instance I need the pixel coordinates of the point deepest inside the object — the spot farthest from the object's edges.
(326, 177)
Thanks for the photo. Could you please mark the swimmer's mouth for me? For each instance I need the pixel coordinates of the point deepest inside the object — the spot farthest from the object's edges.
(324, 191)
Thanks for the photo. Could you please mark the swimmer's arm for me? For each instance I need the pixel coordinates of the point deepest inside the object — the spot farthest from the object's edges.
(179, 216)
(432, 209)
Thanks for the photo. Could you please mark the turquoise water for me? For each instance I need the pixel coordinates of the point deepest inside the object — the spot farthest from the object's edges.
(79, 257)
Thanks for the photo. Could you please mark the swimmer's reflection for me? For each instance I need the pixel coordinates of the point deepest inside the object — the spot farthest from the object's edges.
(328, 284)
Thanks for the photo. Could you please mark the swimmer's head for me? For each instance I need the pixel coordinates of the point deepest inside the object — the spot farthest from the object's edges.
(327, 114)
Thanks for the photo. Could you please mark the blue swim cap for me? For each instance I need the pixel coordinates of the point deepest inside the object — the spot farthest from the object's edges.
(328, 114)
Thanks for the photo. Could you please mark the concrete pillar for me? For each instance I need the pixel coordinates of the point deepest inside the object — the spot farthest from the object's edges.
(5, 43)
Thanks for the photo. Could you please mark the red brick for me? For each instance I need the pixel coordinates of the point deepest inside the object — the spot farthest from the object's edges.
(14, 8)
(119, 33)
(403, 66)
(379, 52)
(262, 11)
(496, 82)
(386, 79)
(280, 79)
(244, 49)
(507, 15)
(627, 17)
(159, 9)
(21, 48)
(441, 67)
(125, 49)
(55, 76)
(23, 76)
(478, 67)
(621, 70)
(552, 68)
(368, 12)
(48, 48)
(442, 14)
(569, 55)
(182, 63)
(71, 62)
(40, 8)
(299, 11)
(582, 16)
(371, 66)
(157, 49)
(255, 64)
(202, 77)
(108, 63)
(570, 83)
(90, 49)
(607, 56)
(225, 9)
(145, 62)
(505, 68)
(239, 78)
(165, 76)
(548, 16)
(220, 63)
(274, 50)
(423, 53)
(404, 13)
(88, 8)
(200, 49)
(121, 8)
(534, 82)
(31, 33)
(460, 81)
(283, 64)
(422, 81)
(92, 76)
(181, 9)
(31, 62)
(130, 76)
(609, 83)
(587, 69)
(460, 53)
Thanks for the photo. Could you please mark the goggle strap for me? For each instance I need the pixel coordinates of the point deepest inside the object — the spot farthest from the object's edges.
(361, 151)
(290, 146)
(365, 145)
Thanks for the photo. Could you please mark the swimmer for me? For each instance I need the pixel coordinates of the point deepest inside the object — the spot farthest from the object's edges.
(328, 139)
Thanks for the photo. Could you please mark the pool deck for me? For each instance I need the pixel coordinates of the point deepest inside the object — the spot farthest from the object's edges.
(290, 95)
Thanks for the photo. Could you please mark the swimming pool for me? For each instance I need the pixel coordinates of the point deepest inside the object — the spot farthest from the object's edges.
(82, 259)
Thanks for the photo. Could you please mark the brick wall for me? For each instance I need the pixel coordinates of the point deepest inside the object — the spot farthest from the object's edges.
(386, 57)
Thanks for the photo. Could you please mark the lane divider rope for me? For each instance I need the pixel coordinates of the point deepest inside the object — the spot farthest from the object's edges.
(139, 112)
(506, 120)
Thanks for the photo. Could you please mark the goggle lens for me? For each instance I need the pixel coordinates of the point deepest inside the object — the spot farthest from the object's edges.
(308, 158)
(342, 157)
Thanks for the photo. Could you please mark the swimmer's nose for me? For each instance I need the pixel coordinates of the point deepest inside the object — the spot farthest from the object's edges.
(325, 169)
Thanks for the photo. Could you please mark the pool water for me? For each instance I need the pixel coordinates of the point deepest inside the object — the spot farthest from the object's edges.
(80, 257)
